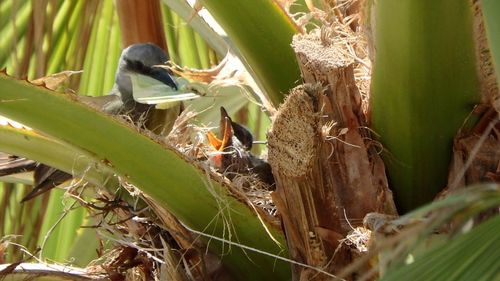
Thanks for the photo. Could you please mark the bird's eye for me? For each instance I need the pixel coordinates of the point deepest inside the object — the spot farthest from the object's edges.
(137, 66)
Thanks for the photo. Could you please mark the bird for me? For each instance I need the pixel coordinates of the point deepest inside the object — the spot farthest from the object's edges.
(135, 59)
(234, 155)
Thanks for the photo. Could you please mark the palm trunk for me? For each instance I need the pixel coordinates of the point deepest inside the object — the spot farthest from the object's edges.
(327, 170)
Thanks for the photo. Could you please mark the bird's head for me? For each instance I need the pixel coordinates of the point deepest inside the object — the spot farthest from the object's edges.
(141, 59)
(233, 137)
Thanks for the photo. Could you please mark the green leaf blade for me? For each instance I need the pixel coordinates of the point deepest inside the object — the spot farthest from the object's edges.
(182, 188)
(424, 86)
(262, 32)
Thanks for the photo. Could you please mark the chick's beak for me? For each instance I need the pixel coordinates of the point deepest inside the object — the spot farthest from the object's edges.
(220, 144)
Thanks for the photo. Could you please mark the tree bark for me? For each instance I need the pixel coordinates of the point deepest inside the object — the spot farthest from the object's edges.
(327, 168)
(141, 22)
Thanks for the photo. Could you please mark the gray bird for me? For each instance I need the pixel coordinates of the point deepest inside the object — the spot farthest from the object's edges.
(136, 59)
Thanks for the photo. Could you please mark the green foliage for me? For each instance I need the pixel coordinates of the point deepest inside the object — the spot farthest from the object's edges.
(103, 51)
(424, 85)
(467, 254)
(491, 11)
(264, 39)
(174, 183)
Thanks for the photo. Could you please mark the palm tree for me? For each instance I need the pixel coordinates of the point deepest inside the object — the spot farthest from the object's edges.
(324, 157)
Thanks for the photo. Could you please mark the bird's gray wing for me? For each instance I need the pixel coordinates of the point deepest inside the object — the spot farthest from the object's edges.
(11, 164)
(46, 178)
(111, 103)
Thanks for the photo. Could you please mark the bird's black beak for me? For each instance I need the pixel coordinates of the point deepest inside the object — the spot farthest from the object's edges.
(157, 73)
(163, 76)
